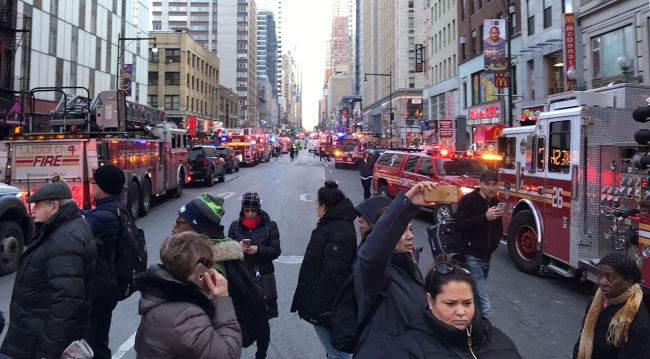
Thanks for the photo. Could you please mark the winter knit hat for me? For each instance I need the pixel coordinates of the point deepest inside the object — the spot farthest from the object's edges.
(110, 179)
(623, 264)
(250, 200)
(204, 212)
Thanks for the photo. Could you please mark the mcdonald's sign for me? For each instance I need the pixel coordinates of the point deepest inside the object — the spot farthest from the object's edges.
(570, 55)
(501, 80)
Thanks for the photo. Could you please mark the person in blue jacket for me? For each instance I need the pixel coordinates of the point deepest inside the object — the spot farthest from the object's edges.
(107, 184)
(389, 247)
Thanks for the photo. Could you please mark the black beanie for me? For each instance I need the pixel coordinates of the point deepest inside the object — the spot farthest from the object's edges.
(250, 200)
(204, 212)
(623, 264)
(110, 179)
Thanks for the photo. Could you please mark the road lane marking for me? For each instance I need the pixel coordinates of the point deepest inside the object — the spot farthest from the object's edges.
(227, 195)
(285, 260)
(278, 181)
(330, 171)
(124, 348)
(233, 178)
(303, 197)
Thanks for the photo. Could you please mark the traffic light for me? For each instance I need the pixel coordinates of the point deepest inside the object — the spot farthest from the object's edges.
(385, 117)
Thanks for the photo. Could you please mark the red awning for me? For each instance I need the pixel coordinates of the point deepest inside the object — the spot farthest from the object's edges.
(488, 132)
(427, 133)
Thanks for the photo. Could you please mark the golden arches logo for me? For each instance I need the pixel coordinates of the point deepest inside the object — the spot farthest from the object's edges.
(500, 80)
(498, 132)
(569, 19)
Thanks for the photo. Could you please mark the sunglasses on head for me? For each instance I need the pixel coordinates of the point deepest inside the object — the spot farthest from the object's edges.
(446, 268)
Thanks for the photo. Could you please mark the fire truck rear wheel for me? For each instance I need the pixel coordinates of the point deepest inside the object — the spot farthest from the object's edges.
(145, 199)
(11, 247)
(134, 199)
(522, 243)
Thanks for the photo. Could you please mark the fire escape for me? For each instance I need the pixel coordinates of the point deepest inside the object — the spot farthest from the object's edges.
(10, 38)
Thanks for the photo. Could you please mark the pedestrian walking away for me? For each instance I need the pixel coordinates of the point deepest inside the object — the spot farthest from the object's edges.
(185, 308)
(260, 241)
(478, 220)
(616, 323)
(50, 302)
(292, 152)
(107, 184)
(327, 262)
(450, 326)
(366, 164)
(387, 255)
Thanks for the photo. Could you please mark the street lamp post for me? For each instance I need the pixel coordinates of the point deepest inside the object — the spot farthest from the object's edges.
(390, 104)
(120, 51)
(572, 75)
(511, 13)
(625, 62)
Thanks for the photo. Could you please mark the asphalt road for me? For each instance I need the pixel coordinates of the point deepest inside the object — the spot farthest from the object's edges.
(542, 315)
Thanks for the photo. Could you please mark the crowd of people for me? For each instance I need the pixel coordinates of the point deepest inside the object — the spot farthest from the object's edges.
(214, 292)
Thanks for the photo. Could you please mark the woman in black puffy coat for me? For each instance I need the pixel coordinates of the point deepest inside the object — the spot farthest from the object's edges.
(261, 247)
(328, 260)
(451, 327)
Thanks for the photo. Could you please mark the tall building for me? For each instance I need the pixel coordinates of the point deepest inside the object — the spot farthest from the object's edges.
(391, 28)
(339, 41)
(291, 93)
(184, 80)
(355, 40)
(76, 44)
(267, 48)
(228, 28)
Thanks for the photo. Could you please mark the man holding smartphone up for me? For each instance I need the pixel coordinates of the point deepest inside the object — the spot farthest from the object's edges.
(478, 220)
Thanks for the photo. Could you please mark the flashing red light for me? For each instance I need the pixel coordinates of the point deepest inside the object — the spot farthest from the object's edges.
(189, 179)
(444, 152)
(470, 153)
(73, 129)
(248, 138)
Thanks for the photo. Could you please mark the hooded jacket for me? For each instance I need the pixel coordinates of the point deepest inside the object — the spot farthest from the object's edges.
(365, 168)
(482, 236)
(406, 296)
(327, 262)
(50, 303)
(179, 321)
(369, 208)
(427, 337)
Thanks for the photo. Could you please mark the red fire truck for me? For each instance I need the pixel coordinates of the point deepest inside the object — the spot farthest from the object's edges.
(344, 149)
(243, 142)
(574, 185)
(264, 148)
(132, 136)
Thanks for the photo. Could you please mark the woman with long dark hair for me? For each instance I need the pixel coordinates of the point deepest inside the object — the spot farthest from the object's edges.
(327, 262)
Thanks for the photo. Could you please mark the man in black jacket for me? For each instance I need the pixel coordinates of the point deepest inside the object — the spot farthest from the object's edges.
(478, 220)
(366, 165)
(108, 181)
(50, 303)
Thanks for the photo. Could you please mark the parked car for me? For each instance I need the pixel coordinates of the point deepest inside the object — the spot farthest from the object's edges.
(204, 164)
(230, 157)
(398, 170)
(16, 228)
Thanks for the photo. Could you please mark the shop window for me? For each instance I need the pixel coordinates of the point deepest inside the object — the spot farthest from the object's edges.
(483, 88)
(559, 152)
(607, 48)
(555, 73)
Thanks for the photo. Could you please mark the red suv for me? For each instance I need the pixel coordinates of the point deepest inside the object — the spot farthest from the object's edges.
(398, 170)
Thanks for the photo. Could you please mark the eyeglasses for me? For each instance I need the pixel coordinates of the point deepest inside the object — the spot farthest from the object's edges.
(180, 221)
(447, 268)
(250, 210)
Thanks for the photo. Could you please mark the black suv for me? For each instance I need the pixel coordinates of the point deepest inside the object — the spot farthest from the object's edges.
(205, 163)
(16, 228)
(228, 155)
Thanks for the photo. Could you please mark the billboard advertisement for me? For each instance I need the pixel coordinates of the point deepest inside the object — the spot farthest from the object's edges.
(126, 74)
(494, 48)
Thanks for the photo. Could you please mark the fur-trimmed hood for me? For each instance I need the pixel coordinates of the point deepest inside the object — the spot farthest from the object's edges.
(225, 249)
(158, 286)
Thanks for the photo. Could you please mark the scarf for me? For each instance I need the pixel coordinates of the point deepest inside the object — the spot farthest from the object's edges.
(251, 223)
(620, 324)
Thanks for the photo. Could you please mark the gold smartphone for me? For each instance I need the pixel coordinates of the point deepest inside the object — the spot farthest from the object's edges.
(441, 194)
(198, 276)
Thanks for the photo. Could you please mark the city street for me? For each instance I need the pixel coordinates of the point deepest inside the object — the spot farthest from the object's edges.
(541, 314)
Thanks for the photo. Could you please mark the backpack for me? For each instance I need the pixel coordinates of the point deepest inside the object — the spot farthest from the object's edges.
(248, 300)
(342, 320)
(444, 238)
(130, 254)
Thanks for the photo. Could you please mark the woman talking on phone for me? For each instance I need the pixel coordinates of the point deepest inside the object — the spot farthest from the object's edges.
(260, 241)
(185, 308)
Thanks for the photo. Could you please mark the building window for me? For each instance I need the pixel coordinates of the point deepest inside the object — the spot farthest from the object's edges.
(480, 4)
(473, 7)
(411, 82)
(480, 36)
(463, 50)
(242, 46)
(559, 143)
(464, 94)
(473, 43)
(548, 16)
(157, 26)
(152, 100)
(172, 78)
(531, 17)
(463, 9)
(53, 32)
(153, 79)
(607, 48)
(172, 102)
(172, 55)
(74, 45)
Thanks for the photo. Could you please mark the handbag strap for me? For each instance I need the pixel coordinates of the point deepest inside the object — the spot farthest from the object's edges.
(388, 279)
